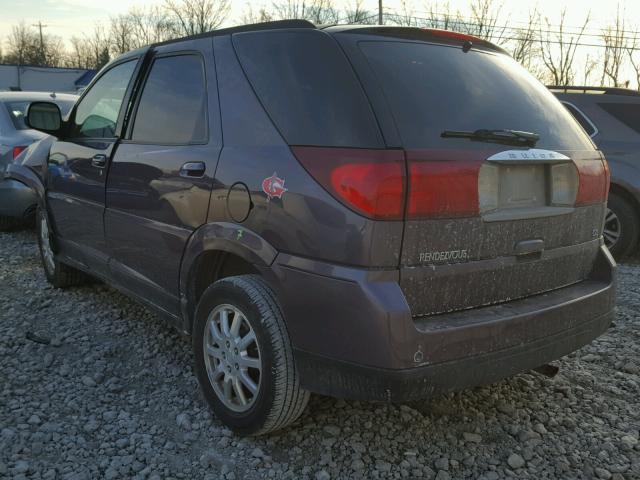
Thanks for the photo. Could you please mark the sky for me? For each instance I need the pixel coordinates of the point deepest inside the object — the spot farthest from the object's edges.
(67, 18)
(72, 17)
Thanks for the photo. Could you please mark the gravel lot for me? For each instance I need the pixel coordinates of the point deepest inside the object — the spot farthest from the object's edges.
(113, 396)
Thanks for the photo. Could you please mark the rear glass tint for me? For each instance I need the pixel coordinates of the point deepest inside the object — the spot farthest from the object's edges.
(308, 88)
(432, 88)
(629, 114)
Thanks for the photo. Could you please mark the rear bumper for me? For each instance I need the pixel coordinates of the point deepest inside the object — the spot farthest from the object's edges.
(354, 336)
(16, 199)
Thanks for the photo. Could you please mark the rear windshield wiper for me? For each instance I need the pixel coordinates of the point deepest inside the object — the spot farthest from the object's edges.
(509, 137)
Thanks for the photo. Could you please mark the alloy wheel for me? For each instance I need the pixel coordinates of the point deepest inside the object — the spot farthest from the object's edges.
(232, 358)
(612, 229)
(45, 244)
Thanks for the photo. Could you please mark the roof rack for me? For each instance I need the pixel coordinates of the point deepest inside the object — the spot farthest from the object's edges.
(279, 24)
(595, 90)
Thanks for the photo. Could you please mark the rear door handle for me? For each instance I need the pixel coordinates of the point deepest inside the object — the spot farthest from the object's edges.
(99, 160)
(193, 170)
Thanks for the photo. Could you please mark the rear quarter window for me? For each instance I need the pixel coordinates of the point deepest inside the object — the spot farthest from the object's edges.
(308, 88)
(581, 118)
(431, 88)
(627, 113)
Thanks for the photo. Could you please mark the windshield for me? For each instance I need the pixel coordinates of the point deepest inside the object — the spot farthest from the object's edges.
(18, 111)
(433, 88)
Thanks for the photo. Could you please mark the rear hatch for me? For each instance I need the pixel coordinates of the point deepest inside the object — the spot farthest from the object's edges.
(487, 220)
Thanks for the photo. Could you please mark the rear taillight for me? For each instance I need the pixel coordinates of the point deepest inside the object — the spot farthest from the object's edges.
(371, 182)
(18, 150)
(442, 184)
(448, 183)
(594, 181)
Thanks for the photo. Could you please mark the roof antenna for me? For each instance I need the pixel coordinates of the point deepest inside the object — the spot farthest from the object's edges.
(467, 46)
(53, 95)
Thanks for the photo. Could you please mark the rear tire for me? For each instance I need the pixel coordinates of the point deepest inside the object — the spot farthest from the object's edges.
(622, 227)
(58, 274)
(252, 389)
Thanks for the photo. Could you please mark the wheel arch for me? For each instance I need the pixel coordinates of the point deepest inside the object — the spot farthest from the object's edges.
(626, 193)
(215, 251)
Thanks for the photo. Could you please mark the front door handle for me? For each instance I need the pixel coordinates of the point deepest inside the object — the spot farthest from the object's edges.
(193, 170)
(99, 160)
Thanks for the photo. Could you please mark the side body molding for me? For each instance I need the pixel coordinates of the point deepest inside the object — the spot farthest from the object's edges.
(225, 237)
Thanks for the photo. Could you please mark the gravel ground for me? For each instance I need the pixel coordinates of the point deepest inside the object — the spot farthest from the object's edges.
(114, 396)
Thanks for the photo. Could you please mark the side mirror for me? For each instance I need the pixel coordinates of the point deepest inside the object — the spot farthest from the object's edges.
(45, 117)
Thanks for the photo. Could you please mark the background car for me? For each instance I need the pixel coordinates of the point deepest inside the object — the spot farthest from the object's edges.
(611, 117)
(17, 201)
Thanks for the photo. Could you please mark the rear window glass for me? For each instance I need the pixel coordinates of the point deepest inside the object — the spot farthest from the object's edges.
(432, 88)
(624, 112)
(581, 119)
(18, 111)
(308, 88)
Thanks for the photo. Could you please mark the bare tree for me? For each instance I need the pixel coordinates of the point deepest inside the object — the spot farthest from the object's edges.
(591, 62)
(192, 17)
(23, 45)
(616, 44)
(98, 44)
(443, 17)
(80, 55)
(259, 15)
(634, 58)
(526, 46)
(405, 17)
(558, 49)
(316, 11)
(54, 51)
(356, 14)
(121, 34)
(150, 25)
(485, 20)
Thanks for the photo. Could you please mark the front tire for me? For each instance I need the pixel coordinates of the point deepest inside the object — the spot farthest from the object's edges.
(58, 274)
(243, 357)
(621, 227)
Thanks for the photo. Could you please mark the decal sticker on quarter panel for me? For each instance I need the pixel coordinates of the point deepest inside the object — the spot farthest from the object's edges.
(273, 186)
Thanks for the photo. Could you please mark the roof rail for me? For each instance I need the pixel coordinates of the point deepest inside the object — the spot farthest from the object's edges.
(279, 24)
(595, 90)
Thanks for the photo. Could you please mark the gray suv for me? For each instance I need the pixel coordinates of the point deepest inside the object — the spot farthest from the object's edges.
(317, 220)
(611, 117)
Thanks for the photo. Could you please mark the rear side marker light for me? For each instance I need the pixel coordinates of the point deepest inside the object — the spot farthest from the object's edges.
(18, 150)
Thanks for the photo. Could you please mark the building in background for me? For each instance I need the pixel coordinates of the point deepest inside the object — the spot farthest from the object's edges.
(44, 79)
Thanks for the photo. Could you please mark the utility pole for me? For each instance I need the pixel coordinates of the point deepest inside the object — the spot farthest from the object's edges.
(42, 54)
(380, 19)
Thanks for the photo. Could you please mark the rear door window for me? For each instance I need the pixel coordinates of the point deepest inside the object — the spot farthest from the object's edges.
(624, 112)
(308, 88)
(173, 104)
(432, 88)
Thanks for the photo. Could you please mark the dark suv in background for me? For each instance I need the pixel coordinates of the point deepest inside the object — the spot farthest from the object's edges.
(318, 220)
(611, 117)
